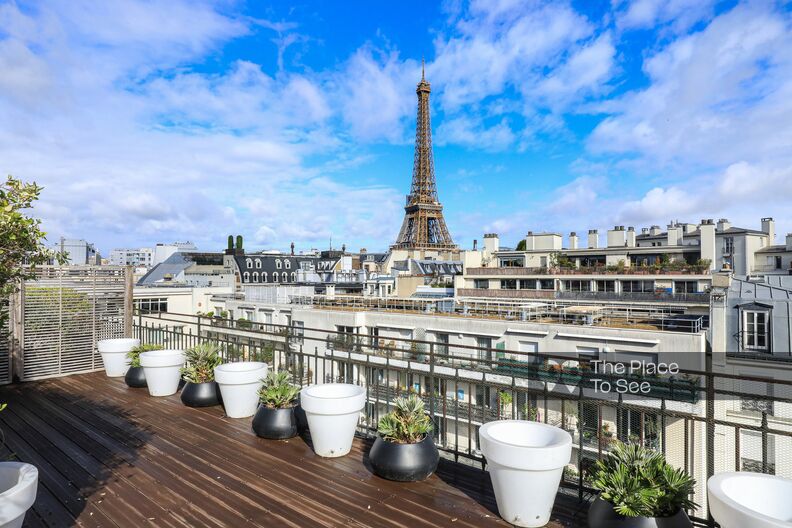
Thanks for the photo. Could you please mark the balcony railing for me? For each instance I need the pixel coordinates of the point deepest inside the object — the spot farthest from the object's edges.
(681, 416)
(589, 270)
(495, 293)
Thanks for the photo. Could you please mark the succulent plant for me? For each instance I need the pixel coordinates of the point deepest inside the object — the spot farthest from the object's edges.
(278, 391)
(200, 362)
(407, 423)
(638, 482)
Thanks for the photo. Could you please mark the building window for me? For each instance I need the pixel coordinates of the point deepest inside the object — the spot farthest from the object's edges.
(275, 276)
(287, 264)
(152, 305)
(637, 286)
(512, 262)
(255, 276)
(753, 451)
(294, 276)
(755, 330)
(508, 284)
(263, 276)
(298, 331)
(246, 276)
(442, 344)
(685, 287)
(728, 245)
(546, 284)
(481, 284)
(278, 264)
(577, 285)
(606, 286)
(258, 263)
(249, 263)
(527, 284)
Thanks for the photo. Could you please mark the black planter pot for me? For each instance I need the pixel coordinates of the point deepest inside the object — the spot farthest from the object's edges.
(135, 377)
(404, 462)
(200, 394)
(302, 420)
(602, 515)
(275, 424)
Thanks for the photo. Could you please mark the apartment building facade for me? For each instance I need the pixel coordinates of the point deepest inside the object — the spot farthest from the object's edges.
(671, 265)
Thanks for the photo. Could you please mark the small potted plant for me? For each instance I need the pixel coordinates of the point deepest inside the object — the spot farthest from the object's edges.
(275, 418)
(404, 449)
(135, 377)
(200, 389)
(639, 489)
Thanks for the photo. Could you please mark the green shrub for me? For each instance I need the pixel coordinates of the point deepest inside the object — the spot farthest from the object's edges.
(200, 362)
(134, 354)
(638, 482)
(278, 391)
(407, 423)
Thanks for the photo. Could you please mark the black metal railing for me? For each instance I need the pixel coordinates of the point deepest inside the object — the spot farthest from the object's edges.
(466, 386)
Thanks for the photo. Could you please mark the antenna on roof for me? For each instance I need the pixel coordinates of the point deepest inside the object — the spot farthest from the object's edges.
(423, 69)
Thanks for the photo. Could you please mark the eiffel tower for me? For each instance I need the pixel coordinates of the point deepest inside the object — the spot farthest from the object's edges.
(423, 226)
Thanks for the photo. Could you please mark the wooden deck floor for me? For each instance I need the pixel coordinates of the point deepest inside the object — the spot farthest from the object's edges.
(113, 456)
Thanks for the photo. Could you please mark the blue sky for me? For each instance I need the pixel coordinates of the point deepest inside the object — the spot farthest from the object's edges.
(161, 120)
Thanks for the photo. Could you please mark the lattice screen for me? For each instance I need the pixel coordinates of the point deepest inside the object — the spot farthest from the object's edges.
(66, 311)
(5, 345)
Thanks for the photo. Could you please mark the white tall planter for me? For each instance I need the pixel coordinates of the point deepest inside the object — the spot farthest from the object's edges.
(161, 368)
(333, 411)
(18, 484)
(740, 500)
(239, 385)
(114, 353)
(526, 461)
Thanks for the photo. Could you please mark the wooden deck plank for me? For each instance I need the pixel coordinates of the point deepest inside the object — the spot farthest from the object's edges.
(160, 463)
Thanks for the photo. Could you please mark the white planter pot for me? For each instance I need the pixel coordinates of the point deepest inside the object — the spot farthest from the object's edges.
(740, 500)
(239, 385)
(161, 368)
(526, 461)
(114, 353)
(333, 411)
(18, 485)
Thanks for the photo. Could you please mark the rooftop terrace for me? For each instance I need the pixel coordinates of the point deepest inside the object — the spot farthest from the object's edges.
(109, 455)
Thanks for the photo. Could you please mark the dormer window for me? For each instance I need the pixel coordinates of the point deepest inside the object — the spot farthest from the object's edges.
(755, 329)
(258, 263)
(255, 276)
(275, 276)
(294, 277)
(263, 276)
(287, 264)
(246, 276)
(278, 264)
(249, 263)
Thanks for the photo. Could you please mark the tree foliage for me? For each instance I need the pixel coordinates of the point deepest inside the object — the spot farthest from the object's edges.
(21, 237)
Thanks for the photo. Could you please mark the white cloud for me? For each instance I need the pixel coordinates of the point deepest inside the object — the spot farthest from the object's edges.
(679, 14)
(546, 54)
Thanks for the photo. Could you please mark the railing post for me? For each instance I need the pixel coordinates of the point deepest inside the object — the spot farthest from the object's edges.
(710, 421)
(432, 382)
(128, 304)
